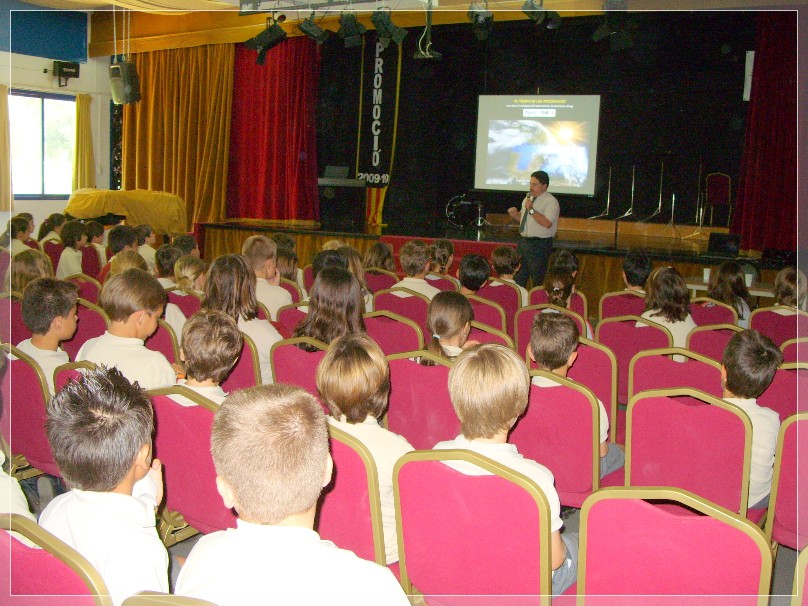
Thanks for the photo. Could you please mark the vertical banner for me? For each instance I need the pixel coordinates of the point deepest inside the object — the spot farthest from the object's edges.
(378, 117)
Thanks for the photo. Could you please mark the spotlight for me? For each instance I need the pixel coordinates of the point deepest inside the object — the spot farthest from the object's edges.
(535, 12)
(618, 28)
(386, 29)
(553, 20)
(270, 37)
(482, 20)
(313, 31)
(350, 30)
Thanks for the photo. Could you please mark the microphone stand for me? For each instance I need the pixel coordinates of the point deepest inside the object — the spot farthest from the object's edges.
(605, 213)
(700, 207)
(659, 207)
(630, 210)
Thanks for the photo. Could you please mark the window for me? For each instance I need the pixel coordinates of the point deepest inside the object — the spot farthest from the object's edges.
(43, 137)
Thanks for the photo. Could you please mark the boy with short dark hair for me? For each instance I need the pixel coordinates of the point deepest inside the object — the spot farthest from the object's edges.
(164, 260)
(187, 244)
(636, 269)
(415, 261)
(486, 416)
(100, 431)
(260, 253)
(134, 301)
(146, 239)
(49, 312)
(506, 263)
(748, 368)
(270, 449)
(553, 344)
(120, 238)
(473, 272)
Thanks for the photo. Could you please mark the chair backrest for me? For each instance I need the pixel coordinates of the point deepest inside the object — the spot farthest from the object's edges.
(561, 429)
(17, 330)
(506, 295)
(93, 322)
(782, 395)
(414, 306)
(420, 408)
(247, 370)
(596, 368)
(787, 521)
(704, 449)
(153, 598)
(621, 303)
(289, 316)
(442, 282)
(778, 327)
(308, 277)
(578, 303)
(631, 547)
(537, 295)
(72, 371)
(5, 261)
(393, 333)
(378, 279)
(717, 189)
(711, 341)
(626, 336)
(656, 369)
(350, 511)
(488, 313)
(296, 366)
(795, 350)
(24, 411)
(453, 538)
(487, 334)
(90, 263)
(292, 288)
(523, 323)
(52, 568)
(798, 593)
(89, 287)
(716, 313)
(189, 303)
(165, 341)
(54, 250)
(182, 442)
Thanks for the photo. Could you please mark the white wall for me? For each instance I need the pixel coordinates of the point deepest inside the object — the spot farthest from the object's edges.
(23, 71)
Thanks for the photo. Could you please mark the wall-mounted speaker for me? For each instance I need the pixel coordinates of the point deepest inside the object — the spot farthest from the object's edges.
(124, 83)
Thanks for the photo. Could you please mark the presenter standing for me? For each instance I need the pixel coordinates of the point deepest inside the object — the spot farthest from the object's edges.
(538, 222)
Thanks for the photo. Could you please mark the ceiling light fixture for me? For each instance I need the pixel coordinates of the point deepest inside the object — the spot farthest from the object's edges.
(482, 20)
(267, 39)
(386, 29)
(350, 30)
(313, 31)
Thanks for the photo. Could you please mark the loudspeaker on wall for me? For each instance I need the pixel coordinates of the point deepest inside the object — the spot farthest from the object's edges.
(124, 83)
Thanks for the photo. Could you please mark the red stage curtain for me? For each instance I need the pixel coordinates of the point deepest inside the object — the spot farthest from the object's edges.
(766, 202)
(273, 143)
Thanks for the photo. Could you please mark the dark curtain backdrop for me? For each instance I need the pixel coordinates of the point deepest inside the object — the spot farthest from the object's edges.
(766, 202)
(273, 144)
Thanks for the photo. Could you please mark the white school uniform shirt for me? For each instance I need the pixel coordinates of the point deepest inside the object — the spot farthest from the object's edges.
(274, 297)
(386, 448)
(604, 417)
(167, 283)
(69, 263)
(116, 533)
(175, 319)
(291, 565)
(264, 336)
(507, 454)
(51, 235)
(679, 330)
(214, 393)
(101, 249)
(48, 360)
(765, 426)
(16, 246)
(524, 297)
(301, 284)
(149, 368)
(148, 254)
(419, 285)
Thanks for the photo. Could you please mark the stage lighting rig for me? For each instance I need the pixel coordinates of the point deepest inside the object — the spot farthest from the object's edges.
(536, 13)
(482, 20)
(386, 29)
(267, 39)
(313, 31)
(350, 30)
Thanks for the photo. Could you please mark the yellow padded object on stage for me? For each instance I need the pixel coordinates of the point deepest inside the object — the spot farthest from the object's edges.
(165, 212)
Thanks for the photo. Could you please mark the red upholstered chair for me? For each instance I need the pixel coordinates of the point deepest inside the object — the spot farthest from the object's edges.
(289, 316)
(626, 336)
(72, 371)
(189, 303)
(420, 408)
(292, 288)
(704, 449)
(711, 340)
(621, 303)
(455, 542)
(182, 442)
(50, 573)
(795, 350)
(782, 394)
(578, 302)
(596, 368)
(88, 286)
(488, 313)
(13, 328)
(90, 263)
(506, 295)
(54, 251)
(308, 277)
(779, 328)
(787, 522)
(716, 312)
(379, 279)
(718, 192)
(486, 334)
(560, 428)
(537, 295)
(631, 547)
(165, 341)
(393, 333)
(443, 282)
(523, 322)
(5, 261)
(92, 323)
(247, 370)
(295, 366)
(412, 305)
(798, 593)
(656, 369)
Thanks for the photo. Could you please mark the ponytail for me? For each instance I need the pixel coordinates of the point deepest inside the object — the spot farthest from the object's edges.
(50, 224)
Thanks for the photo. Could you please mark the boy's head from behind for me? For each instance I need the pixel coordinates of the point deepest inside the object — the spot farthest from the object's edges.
(270, 448)
(750, 362)
(636, 268)
(211, 345)
(283, 240)
(489, 386)
(46, 300)
(474, 271)
(120, 237)
(99, 428)
(505, 260)
(257, 250)
(164, 260)
(414, 258)
(553, 339)
(187, 244)
(328, 258)
(129, 292)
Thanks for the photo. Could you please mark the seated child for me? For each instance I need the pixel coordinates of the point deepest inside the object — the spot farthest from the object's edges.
(287, 242)
(506, 263)
(358, 271)
(473, 272)
(17, 232)
(560, 286)
(333, 244)
(749, 364)
(51, 228)
(270, 449)
(636, 269)
(190, 276)
(564, 261)
(49, 312)
(553, 345)
(146, 239)
(74, 238)
(187, 244)
(328, 258)
(100, 430)
(380, 255)
(335, 308)
(120, 238)
(260, 252)
(134, 301)
(667, 303)
(211, 345)
(449, 323)
(727, 286)
(489, 389)
(126, 259)
(26, 267)
(441, 257)
(164, 260)
(790, 291)
(414, 259)
(95, 238)
(354, 382)
(287, 264)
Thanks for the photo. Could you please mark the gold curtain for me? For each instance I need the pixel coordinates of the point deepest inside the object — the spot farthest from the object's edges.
(84, 159)
(5, 151)
(177, 137)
